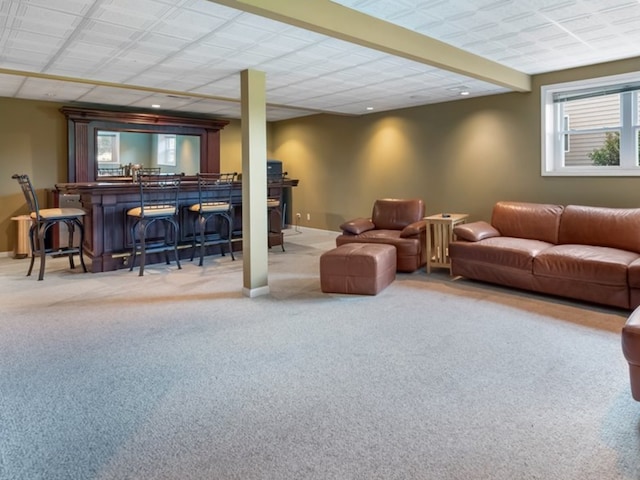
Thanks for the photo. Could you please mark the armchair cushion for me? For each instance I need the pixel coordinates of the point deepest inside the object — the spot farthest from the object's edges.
(395, 214)
(357, 226)
(413, 229)
(475, 231)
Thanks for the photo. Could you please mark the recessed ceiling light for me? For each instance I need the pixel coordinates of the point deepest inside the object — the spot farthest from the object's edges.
(369, 108)
(155, 105)
(464, 92)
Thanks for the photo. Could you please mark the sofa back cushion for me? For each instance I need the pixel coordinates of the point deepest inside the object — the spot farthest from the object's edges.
(601, 226)
(536, 221)
(395, 214)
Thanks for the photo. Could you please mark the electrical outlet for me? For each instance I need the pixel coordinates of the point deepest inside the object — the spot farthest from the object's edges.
(298, 216)
(308, 217)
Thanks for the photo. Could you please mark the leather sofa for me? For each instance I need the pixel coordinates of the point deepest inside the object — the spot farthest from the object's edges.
(397, 222)
(580, 252)
(631, 350)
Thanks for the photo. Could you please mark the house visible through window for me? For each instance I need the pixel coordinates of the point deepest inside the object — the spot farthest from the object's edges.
(166, 150)
(591, 127)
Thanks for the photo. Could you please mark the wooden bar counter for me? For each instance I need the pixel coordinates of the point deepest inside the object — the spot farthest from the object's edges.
(107, 236)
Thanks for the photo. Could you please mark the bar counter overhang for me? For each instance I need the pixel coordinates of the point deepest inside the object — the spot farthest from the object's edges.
(107, 237)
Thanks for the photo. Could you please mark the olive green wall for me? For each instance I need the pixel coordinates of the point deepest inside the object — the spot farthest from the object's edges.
(460, 156)
(33, 140)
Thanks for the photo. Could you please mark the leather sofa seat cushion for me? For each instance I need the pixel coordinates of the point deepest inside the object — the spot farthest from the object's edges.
(585, 263)
(404, 246)
(504, 251)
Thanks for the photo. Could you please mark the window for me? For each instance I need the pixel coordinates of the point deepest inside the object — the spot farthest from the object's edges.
(108, 148)
(167, 150)
(591, 128)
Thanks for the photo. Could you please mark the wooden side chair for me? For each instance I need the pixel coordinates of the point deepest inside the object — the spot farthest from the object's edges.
(158, 208)
(42, 220)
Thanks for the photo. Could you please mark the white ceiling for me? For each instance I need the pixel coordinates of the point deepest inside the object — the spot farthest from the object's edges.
(187, 55)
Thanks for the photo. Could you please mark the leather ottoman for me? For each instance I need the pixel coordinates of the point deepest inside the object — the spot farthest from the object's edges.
(358, 268)
(631, 350)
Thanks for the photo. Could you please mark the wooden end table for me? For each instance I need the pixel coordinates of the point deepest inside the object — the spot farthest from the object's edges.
(439, 234)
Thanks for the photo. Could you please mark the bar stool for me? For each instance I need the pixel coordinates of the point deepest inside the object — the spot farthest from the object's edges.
(274, 208)
(158, 206)
(214, 202)
(42, 220)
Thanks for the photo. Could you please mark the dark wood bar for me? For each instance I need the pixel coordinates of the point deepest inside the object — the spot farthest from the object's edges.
(107, 237)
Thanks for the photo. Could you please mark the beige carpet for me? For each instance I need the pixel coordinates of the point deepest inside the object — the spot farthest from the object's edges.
(176, 375)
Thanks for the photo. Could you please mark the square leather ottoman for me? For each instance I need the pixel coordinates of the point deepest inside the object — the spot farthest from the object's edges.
(358, 268)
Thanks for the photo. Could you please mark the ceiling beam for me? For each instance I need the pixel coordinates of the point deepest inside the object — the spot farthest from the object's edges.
(337, 21)
(149, 90)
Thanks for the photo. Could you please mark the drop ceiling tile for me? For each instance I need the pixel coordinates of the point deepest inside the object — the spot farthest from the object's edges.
(35, 18)
(138, 15)
(52, 90)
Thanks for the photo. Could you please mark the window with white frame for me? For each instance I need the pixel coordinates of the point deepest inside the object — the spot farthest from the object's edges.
(591, 127)
(108, 148)
(166, 150)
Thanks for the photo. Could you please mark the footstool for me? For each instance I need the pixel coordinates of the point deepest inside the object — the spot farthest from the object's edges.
(631, 350)
(358, 268)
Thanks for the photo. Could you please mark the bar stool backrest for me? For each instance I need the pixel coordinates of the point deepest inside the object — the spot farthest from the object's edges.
(159, 193)
(29, 194)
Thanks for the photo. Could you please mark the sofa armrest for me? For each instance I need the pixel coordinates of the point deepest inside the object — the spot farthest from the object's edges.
(413, 229)
(475, 231)
(357, 226)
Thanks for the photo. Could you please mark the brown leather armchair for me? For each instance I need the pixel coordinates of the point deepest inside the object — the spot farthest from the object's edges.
(397, 222)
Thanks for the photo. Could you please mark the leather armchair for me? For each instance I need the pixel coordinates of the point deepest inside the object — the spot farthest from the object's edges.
(397, 222)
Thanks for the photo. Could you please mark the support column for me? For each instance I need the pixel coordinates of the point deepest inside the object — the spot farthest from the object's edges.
(254, 184)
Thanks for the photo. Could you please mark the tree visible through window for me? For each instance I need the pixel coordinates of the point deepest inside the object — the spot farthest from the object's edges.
(591, 127)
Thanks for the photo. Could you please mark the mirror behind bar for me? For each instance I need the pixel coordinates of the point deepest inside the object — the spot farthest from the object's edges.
(84, 124)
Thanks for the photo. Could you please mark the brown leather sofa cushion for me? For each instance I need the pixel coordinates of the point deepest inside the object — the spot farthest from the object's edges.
(586, 263)
(605, 227)
(535, 221)
(507, 252)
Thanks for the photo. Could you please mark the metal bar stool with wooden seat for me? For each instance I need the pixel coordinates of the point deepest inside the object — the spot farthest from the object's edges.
(42, 219)
(214, 202)
(158, 206)
(275, 184)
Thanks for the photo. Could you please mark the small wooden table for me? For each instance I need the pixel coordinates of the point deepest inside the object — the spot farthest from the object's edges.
(439, 234)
